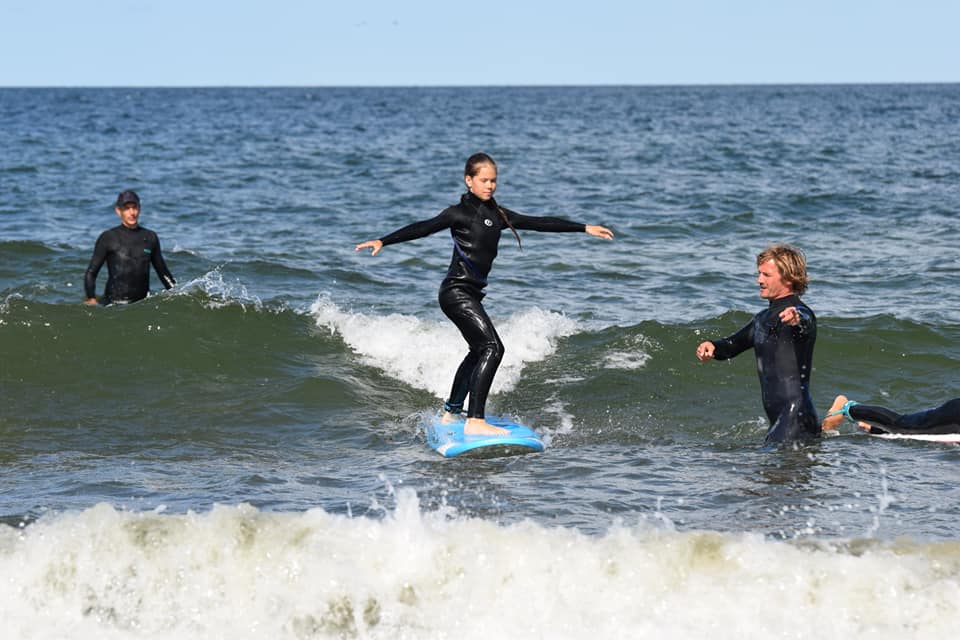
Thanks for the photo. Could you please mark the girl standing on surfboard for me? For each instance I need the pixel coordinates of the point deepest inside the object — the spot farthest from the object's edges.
(475, 224)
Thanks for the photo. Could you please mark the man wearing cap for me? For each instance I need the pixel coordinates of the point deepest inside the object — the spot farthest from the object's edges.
(129, 250)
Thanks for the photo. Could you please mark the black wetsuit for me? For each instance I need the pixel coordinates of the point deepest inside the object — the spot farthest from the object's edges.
(128, 254)
(784, 363)
(943, 419)
(476, 227)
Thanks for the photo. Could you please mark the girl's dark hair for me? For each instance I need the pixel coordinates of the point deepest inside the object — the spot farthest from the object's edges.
(471, 169)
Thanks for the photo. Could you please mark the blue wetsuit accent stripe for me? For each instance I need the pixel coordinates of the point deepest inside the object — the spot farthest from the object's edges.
(466, 260)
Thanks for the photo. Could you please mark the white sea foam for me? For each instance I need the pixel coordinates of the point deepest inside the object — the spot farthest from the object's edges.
(236, 572)
(564, 420)
(628, 360)
(635, 356)
(222, 292)
(426, 353)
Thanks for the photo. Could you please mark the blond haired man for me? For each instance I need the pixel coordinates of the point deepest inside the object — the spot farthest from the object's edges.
(782, 337)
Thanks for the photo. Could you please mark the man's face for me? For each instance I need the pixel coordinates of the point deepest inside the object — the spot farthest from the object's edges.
(129, 215)
(772, 285)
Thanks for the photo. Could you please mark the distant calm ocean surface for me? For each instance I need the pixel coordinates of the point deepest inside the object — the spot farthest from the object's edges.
(243, 456)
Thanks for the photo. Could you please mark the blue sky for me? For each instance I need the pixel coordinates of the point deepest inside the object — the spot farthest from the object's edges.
(481, 42)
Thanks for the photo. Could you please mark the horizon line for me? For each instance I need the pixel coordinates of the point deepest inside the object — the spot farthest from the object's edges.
(490, 86)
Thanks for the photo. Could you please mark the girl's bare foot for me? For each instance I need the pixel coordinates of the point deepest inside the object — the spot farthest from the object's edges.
(450, 417)
(830, 423)
(480, 427)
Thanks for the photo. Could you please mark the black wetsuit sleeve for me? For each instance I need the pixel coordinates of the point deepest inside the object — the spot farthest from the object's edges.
(160, 266)
(734, 345)
(99, 257)
(543, 223)
(419, 229)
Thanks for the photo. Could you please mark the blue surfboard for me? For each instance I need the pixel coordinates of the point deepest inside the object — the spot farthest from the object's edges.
(449, 440)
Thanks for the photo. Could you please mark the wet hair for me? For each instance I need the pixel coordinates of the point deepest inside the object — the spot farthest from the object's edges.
(476, 161)
(791, 262)
(472, 168)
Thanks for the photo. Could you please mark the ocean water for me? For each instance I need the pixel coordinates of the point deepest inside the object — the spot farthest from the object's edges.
(244, 456)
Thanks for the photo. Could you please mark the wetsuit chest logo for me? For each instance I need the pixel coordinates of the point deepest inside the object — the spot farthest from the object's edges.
(488, 222)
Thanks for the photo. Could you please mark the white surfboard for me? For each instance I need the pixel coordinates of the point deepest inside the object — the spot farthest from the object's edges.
(952, 438)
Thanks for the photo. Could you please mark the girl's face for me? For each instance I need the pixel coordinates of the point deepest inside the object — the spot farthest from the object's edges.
(484, 184)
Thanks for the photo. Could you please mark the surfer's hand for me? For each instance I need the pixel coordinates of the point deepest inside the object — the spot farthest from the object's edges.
(705, 351)
(376, 245)
(599, 232)
(791, 316)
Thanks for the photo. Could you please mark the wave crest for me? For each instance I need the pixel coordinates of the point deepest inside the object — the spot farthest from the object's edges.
(426, 353)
